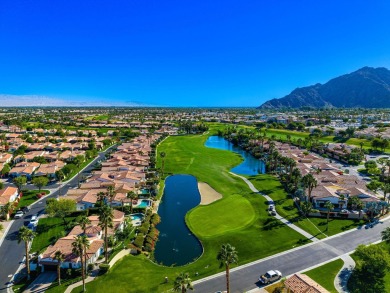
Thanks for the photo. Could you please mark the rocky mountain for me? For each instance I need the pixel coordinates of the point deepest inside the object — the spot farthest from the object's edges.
(367, 88)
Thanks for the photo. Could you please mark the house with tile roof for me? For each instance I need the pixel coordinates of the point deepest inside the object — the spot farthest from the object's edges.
(300, 283)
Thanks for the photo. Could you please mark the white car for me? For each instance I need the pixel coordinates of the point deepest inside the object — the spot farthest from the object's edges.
(18, 215)
(33, 221)
(270, 276)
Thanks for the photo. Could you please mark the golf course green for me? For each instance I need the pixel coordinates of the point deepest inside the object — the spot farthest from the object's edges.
(239, 218)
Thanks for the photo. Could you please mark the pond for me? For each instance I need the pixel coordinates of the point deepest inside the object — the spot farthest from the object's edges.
(176, 244)
(250, 166)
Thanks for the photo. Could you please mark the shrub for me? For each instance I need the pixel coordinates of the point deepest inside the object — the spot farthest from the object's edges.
(90, 266)
(148, 247)
(104, 267)
(155, 219)
(149, 240)
(139, 240)
(144, 228)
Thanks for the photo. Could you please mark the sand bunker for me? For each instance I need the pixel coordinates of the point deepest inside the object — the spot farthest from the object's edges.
(207, 193)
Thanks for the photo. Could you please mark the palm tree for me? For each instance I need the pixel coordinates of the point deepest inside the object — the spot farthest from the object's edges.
(131, 195)
(306, 208)
(310, 183)
(296, 177)
(79, 248)
(84, 223)
(111, 193)
(182, 283)
(5, 209)
(100, 197)
(386, 235)
(227, 256)
(59, 257)
(27, 236)
(329, 206)
(106, 221)
(78, 160)
(386, 189)
(162, 155)
(60, 176)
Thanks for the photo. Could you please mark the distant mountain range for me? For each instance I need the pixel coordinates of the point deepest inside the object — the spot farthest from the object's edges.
(367, 88)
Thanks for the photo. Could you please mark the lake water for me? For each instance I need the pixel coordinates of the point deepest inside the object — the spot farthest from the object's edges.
(250, 166)
(176, 244)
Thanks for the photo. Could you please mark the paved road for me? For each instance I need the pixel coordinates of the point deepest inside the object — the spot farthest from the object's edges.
(245, 278)
(12, 253)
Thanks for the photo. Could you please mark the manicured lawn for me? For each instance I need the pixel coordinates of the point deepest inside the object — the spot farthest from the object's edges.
(240, 218)
(76, 170)
(270, 185)
(48, 231)
(282, 133)
(29, 197)
(325, 274)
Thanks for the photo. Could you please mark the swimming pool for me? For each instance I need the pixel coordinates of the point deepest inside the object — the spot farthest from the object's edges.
(144, 191)
(137, 217)
(144, 203)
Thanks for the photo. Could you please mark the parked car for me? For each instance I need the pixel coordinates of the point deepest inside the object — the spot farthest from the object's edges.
(19, 215)
(26, 209)
(270, 276)
(271, 208)
(34, 220)
(272, 213)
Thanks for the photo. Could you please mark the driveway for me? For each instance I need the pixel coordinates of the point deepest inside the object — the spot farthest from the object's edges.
(41, 283)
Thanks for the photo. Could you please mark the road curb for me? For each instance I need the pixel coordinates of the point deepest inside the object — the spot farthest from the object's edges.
(6, 232)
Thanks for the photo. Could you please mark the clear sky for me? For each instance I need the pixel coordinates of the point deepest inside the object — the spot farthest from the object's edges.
(185, 53)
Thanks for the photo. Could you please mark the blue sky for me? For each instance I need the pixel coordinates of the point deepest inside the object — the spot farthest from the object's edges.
(185, 53)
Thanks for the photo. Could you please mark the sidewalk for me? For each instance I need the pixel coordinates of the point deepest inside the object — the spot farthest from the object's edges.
(341, 280)
(280, 218)
(6, 226)
(94, 275)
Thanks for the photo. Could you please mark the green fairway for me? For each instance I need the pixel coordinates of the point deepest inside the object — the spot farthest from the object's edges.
(282, 133)
(325, 274)
(239, 218)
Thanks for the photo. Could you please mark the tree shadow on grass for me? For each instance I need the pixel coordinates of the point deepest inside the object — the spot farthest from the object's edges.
(45, 227)
(289, 208)
(272, 223)
(303, 241)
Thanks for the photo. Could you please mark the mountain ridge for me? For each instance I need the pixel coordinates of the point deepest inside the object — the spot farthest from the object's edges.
(367, 87)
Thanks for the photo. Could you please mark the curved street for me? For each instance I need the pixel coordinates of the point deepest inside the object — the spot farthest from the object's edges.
(245, 278)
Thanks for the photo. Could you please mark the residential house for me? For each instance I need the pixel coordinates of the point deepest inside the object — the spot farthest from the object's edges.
(300, 283)
(24, 169)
